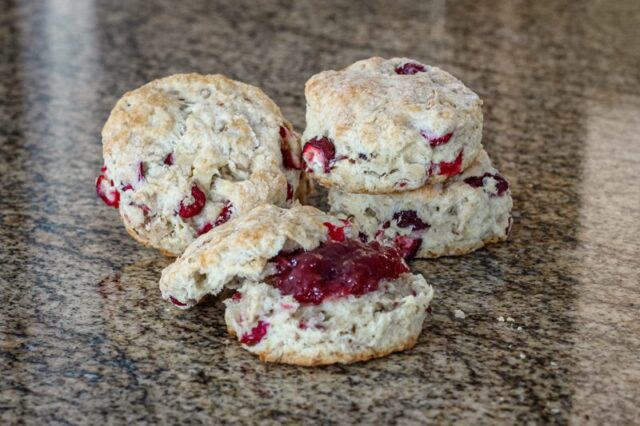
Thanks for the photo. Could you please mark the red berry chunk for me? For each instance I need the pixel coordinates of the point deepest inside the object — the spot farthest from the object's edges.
(168, 160)
(478, 181)
(409, 218)
(256, 334)
(176, 301)
(288, 159)
(447, 169)
(205, 228)
(319, 150)
(199, 200)
(436, 140)
(410, 68)
(127, 187)
(107, 190)
(289, 192)
(336, 232)
(140, 171)
(336, 269)
(407, 246)
(223, 216)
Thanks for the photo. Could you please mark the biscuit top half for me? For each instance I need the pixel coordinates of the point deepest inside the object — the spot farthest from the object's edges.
(240, 250)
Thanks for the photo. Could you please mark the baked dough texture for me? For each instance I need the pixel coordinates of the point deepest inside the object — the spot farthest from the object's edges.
(389, 125)
(240, 255)
(341, 330)
(240, 250)
(188, 152)
(451, 218)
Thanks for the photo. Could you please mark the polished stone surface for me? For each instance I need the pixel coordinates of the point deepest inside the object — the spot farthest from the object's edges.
(85, 338)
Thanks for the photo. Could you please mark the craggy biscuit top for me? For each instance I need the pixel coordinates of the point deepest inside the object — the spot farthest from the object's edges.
(389, 125)
(185, 153)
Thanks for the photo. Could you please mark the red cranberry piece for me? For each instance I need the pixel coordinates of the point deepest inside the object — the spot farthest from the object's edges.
(447, 169)
(256, 334)
(126, 187)
(205, 228)
(336, 232)
(223, 216)
(407, 246)
(168, 160)
(190, 210)
(289, 192)
(409, 218)
(435, 141)
(288, 159)
(106, 190)
(140, 171)
(236, 296)
(429, 310)
(176, 301)
(321, 150)
(336, 269)
(410, 68)
(478, 181)
(501, 185)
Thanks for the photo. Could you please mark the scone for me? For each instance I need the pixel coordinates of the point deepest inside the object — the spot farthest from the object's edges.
(188, 152)
(382, 126)
(451, 218)
(308, 291)
(240, 249)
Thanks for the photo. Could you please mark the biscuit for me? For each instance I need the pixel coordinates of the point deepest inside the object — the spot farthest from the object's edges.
(280, 329)
(382, 126)
(185, 153)
(451, 218)
(240, 250)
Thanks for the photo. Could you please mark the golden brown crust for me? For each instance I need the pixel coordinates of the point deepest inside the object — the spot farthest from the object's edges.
(459, 251)
(145, 243)
(155, 94)
(295, 359)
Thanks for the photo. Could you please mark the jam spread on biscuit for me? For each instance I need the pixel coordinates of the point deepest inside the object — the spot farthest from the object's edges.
(336, 269)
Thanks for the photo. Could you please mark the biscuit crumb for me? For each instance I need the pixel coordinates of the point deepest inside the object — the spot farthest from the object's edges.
(501, 318)
(458, 313)
(509, 319)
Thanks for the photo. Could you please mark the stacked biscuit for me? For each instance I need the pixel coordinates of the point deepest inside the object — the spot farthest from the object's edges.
(208, 169)
(399, 145)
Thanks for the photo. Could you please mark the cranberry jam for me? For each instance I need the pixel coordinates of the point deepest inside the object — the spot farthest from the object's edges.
(336, 269)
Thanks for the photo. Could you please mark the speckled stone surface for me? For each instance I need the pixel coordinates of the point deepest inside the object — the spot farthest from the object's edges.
(85, 338)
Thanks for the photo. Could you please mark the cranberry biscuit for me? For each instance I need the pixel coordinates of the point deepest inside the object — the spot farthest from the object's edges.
(279, 328)
(451, 218)
(308, 292)
(382, 126)
(188, 152)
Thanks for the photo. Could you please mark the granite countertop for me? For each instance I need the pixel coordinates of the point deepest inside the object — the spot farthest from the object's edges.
(85, 337)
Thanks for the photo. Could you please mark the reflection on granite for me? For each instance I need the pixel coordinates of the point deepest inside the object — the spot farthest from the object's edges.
(85, 338)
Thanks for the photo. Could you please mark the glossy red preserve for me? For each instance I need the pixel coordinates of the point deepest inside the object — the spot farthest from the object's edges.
(336, 269)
